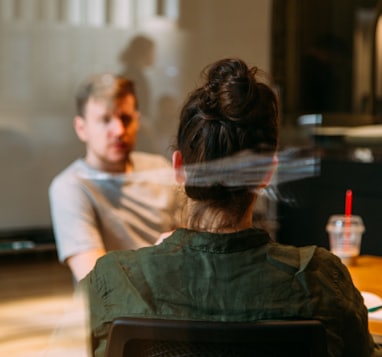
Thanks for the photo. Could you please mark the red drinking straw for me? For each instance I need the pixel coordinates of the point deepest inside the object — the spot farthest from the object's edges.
(348, 203)
(348, 208)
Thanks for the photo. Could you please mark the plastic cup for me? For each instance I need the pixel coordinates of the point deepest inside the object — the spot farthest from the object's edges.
(345, 234)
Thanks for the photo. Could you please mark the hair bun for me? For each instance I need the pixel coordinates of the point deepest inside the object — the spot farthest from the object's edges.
(230, 88)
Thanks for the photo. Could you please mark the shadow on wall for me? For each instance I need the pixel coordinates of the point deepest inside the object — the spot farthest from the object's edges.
(28, 166)
(16, 149)
(136, 57)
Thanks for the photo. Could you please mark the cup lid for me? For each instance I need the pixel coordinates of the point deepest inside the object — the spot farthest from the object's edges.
(338, 221)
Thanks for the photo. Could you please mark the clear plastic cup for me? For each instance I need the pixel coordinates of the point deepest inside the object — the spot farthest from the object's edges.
(345, 234)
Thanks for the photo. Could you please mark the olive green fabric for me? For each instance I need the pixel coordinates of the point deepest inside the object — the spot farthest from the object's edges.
(241, 276)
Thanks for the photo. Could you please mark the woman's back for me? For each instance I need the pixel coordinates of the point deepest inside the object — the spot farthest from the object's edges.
(240, 276)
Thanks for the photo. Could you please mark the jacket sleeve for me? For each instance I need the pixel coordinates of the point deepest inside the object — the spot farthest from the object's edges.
(93, 290)
(348, 327)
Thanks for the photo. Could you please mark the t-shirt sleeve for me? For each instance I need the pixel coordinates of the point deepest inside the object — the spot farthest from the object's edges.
(74, 218)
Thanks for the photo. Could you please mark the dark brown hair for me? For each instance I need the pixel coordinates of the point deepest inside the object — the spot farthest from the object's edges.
(106, 86)
(231, 112)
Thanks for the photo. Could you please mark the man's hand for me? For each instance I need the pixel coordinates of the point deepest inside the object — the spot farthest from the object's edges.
(163, 236)
(81, 264)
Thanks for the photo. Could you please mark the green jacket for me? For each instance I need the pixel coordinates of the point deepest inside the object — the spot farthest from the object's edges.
(239, 276)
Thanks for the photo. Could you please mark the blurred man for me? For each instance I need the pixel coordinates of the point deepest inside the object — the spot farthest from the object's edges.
(105, 201)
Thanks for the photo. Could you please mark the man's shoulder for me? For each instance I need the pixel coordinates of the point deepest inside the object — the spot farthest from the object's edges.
(69, 174)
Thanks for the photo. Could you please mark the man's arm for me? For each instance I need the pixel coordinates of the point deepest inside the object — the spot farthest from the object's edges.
(81, 264)
(78, 240)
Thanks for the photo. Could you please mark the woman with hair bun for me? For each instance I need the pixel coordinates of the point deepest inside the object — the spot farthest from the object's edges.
(219, 267)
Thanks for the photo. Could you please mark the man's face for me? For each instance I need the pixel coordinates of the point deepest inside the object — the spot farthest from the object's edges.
(109, 130)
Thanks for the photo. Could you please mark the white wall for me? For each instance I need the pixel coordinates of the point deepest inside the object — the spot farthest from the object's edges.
(223, 28)
(46, 52)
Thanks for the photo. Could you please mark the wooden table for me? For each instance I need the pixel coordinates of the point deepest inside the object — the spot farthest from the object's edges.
(367, 276)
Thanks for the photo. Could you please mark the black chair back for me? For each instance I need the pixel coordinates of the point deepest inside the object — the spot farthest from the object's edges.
(141, 337)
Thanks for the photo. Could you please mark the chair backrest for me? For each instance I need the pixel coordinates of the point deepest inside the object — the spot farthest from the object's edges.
(138, 337)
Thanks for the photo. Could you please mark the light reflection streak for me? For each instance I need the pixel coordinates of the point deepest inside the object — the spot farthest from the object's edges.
(243, 169)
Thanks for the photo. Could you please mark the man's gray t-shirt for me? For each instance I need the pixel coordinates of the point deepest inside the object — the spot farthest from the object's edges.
(92, 209)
